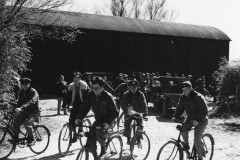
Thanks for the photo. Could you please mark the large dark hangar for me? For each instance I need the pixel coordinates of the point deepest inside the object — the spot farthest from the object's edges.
(115, 44)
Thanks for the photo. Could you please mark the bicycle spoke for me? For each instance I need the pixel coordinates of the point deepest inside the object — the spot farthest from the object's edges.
(208, 145)
(7, 143)
(64, 140)
(42, 136)
(140, 147)
(169, 151)
(114, 148)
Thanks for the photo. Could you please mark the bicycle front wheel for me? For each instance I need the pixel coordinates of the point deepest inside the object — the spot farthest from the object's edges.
(114, 148)
(64, 140)
(84, 154)
(208, 145)
(170, 151)
(42, 135)
(83, 140)
(140, 146)
(7, 143)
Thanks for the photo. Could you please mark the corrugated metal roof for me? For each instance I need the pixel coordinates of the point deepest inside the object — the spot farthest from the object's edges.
(111, 23)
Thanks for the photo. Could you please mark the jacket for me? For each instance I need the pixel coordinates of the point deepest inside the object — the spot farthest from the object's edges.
(195, 106)
(103, 106)
(61, 88)
(137, 101)
(29, 100)
(83, 87)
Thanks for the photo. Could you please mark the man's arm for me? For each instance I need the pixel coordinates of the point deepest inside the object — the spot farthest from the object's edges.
(203, 109)
(113, 110)
(33, 99)
(179, 110)
(144, 105)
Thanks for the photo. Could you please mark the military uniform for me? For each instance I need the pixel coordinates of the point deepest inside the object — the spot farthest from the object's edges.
(105, 111)
(139, 105)
(30, 110)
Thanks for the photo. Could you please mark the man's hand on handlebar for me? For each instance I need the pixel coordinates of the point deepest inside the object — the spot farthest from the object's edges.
(78, 121)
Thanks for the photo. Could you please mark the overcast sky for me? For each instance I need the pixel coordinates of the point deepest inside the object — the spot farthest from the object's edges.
(222, 14)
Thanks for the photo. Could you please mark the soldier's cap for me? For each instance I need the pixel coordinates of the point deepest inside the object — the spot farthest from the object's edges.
(120, 74)
(133, 82)
(25, 80)
(186, 84)
(76, 74)
(98, 80)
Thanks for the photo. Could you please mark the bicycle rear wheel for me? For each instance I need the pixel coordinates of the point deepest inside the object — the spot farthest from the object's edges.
(83, 140)
(64, 140)
(114, 148)
(7, 143)
(140, 146)
(208, 145)
(170, 151)
(42, 135)
(84, 154)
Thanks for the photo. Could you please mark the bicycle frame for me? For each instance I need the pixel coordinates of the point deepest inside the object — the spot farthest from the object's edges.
(180, 143)
(11, 126)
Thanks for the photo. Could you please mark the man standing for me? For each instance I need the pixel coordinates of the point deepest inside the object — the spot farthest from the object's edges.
(78, 91)
(61, 90)
(27, 109)
(105, 111)
(200, 85)
(135, 101)
(196, 108)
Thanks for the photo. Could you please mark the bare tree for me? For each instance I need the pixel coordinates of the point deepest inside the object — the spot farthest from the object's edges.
(136, 10)
(156, 10)
(119, 8)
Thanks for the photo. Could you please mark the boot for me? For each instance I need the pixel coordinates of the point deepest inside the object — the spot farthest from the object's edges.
(103, 151)
(128, 140)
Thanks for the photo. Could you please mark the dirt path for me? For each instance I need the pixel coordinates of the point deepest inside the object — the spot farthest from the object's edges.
(159, 130)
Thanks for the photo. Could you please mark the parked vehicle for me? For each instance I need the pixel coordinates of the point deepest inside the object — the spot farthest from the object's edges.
(165, 94)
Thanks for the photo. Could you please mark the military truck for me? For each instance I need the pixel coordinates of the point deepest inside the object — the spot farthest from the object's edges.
(166, 93)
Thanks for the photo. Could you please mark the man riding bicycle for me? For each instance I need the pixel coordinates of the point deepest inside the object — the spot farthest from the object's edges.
(105, 111)
(27, 109)
(79, 90)
(133, 103)
(195, 106)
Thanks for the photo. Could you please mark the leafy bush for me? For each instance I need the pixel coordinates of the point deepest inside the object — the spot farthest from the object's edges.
(228, 77)
(15, 35)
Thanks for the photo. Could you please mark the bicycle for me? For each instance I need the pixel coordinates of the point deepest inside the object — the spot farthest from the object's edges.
(114, 147)
(140, 143)
(66, 136)
(9, 139)
(173, 149)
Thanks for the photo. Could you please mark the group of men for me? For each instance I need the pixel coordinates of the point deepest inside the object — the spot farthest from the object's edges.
(106, 108)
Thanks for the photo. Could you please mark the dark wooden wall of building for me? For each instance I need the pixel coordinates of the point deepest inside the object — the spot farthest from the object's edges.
(115, 52)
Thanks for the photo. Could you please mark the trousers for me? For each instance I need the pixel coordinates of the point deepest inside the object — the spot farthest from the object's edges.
(127, 124)
(97, 135)
(198, 132)
(27, 120)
